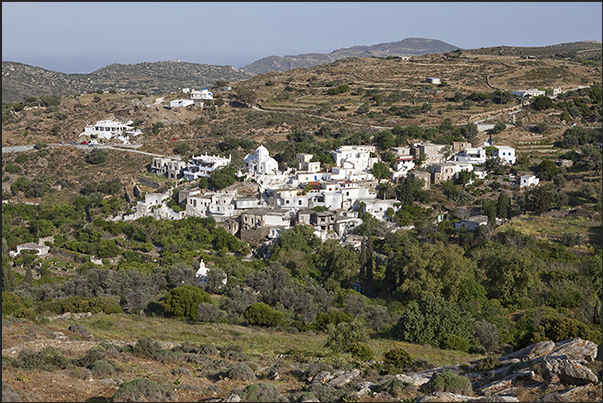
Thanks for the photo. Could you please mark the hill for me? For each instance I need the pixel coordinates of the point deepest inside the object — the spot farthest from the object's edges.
(21, 80)
(583, 50)
(406, 47)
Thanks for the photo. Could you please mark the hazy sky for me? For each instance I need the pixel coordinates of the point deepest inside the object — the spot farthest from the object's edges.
(82, 37)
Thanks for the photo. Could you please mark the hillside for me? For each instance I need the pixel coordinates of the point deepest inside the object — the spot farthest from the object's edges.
(406, 47)
(20, 80)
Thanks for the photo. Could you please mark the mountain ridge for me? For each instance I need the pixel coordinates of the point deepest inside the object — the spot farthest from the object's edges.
(405, 47)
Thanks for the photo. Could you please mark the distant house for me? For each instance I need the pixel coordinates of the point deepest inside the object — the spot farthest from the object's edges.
(472, 223)
(441, 172)
(177, 103)
(528, 180)
(204, 165)
(204, 95)
(433, 80)
(108, 129)
(261, 163)
(39, 249)
(170, 167)
(505, 153)
(532, 92)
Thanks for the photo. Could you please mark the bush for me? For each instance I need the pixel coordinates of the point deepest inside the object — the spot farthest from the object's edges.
(397, 358)
(323, 320)
(486, 334)
(260, 392)
(344, 335)
(454, 342)
(91, 356)
(361, 351)
(242, 372)
(10, 303)
(102, 369)
(96, 156)
(448, 382)
(48, 359)
(183, 301)
(394, 386)
(261, 314)
(140, 390)
(561, 328)
(487, 364)
(146, 347)
(209, 313)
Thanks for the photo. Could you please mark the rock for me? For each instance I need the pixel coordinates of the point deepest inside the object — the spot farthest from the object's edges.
(322, 377)
(233, 398)
(10, 396)
(445, 397)
(273, 374)
(530, 352)
(496, 398)
(344, 378)
(575, 349)
(577, 394)
(506, 382)
(416, 379)
(510, 361)
(567, 371)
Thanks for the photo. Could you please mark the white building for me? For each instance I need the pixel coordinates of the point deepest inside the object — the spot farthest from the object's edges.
(528, 180)
(204, 165)
(108, 129)
(471, 223)
(39, 248)
(203, 95)
(357, 157)
(177, 103)
(471, 156)
(505, 153)
(433, 80)
(403, 165)
(260, 163)
(532, 92)
(170, 167)
(376, 207)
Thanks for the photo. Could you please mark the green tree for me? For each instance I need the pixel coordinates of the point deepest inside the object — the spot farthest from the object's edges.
(503, 206)
(499, 127)
(337, 263)
(547, 170)
(541, 102)
(97, 156)
(182, 148)
(222, 177)
(540, 200)
(182, 301)
(380, 170)
(261, 314)
(427, 320)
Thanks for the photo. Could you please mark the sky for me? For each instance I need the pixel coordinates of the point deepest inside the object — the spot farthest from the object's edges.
(81, 37)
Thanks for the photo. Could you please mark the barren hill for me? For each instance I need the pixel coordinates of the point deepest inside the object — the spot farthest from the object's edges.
(406, 47)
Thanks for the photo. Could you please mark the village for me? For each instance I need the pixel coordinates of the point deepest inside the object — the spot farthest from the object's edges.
(331, 202)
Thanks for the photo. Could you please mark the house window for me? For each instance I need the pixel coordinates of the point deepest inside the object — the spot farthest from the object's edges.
(300, 202)
(286, 201)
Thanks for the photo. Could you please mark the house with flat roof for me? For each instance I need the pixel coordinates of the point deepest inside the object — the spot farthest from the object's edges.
(505, 153)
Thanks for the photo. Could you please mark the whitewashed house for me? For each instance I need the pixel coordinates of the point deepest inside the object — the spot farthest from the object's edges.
(376, 207)
(203, 95)
(505, 153)
(204, 165)
(528, 180)
(356, 157)
(108, 129)
(532, 92)
(472, 223)
(181, 103)
(39, 248)
(471, 156)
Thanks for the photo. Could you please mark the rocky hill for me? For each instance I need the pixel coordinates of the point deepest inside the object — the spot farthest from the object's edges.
(406, 47)
(584, 50)
(21, 80)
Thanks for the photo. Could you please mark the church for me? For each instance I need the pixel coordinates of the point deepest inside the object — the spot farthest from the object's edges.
(261, 163)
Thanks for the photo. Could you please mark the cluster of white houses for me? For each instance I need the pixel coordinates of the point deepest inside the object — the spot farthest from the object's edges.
(289, 198)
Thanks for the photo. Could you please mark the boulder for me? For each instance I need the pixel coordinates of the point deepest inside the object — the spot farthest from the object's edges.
(586, 393)
(567, 371)
(506, 382)
(445, 397)
(322, 377)
(530, 352)
(344, 378)
(234, 398)
(575, 349)
(416, 379)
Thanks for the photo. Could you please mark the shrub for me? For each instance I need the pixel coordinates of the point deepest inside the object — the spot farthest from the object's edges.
(394, 386)
(183, 301)
(140, 390)
(325, 393)
(448, 382)
(102, 369)
(10, 303)
(96, 156)
(261, 314)
(91, 356)
(344, 335)
(323, 320)
(361, 351)
(260, 392)
(209, 313)
(208, 349)
(453, 342)
(146, 347)
(486, 364)
(561, 328)
(486, 334)
(397, 357)
(242, 372)
(47, 359)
